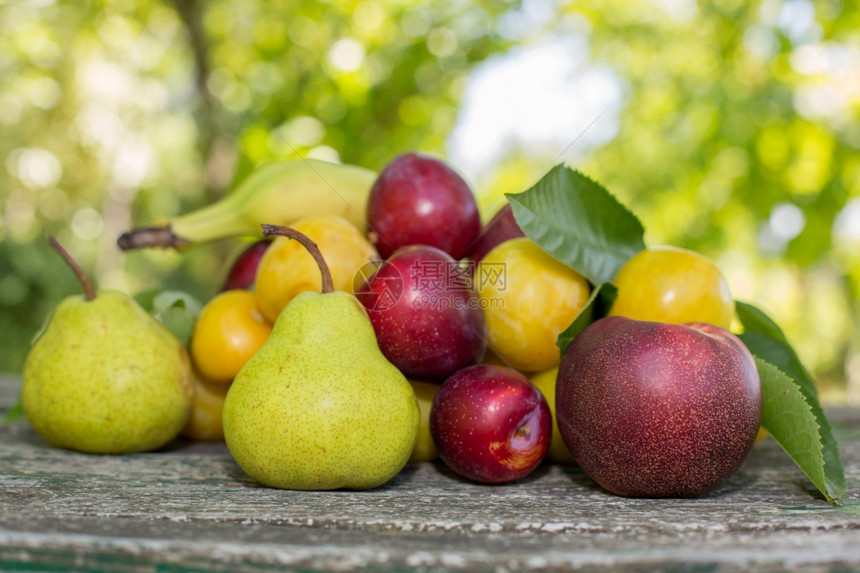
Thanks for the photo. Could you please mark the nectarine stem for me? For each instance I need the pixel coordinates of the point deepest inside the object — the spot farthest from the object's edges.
(89, 291)
(313, 249)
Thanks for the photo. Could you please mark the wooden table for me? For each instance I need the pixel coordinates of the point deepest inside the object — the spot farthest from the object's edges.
(189, 507)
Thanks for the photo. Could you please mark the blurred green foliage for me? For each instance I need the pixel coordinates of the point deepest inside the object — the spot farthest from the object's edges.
(739, 127)
(746, 116)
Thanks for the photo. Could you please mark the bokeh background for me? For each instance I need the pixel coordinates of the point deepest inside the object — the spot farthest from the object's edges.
(730, 127)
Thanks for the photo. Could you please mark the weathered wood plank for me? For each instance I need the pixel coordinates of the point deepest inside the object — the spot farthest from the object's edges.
(189, 507)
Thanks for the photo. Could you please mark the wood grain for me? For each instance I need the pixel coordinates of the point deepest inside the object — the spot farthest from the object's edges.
(189, 507)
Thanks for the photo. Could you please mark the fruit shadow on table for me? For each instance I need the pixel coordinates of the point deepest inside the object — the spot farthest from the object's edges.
(441, 469)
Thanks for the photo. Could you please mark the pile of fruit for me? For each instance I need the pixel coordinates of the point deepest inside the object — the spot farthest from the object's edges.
(378, 323)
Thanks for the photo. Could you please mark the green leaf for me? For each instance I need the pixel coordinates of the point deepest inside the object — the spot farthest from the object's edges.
(597, 307)
(755, 320)
(16, 413)
(178, 321)
(766, 340)
(177, 310)
(146, 299)
(788, 418)
(579, 223)
(176, 299)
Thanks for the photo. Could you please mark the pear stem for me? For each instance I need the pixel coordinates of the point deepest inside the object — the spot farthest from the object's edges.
(313, 249)
(89, 291)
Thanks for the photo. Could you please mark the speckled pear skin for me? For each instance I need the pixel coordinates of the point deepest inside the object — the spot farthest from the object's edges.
(107, 378)
(318, 406)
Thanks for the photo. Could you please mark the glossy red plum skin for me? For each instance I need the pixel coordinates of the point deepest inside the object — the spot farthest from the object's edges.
(420, 200)
(651, 409)
(243, 271)
(499, 229)
(426, 315)
(490, 424)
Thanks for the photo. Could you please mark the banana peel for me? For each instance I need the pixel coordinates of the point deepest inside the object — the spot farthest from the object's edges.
(277, 193)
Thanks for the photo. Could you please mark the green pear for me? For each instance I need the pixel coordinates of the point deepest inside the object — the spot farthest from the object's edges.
(106, 377)
(319, 406)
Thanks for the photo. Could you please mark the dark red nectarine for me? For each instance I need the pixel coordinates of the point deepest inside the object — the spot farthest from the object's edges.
(651, 409)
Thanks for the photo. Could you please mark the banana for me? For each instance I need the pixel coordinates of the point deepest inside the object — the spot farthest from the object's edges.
(277, 193)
